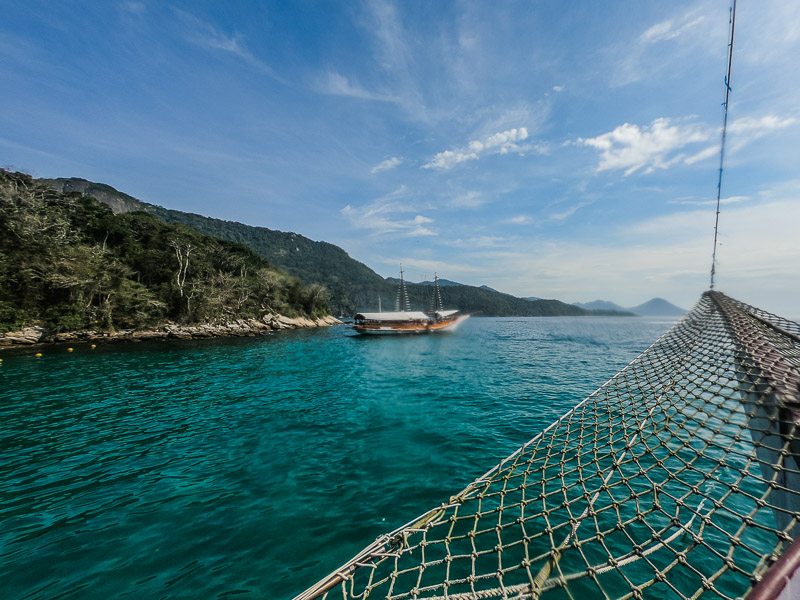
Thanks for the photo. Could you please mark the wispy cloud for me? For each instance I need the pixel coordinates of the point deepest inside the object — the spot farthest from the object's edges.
(136, 8)
(670, 29)
(742, 132)
(702, 155)
(386, 26)
(481, 241)
(632, 148)
(712, 202)
(386, 215)
(664, 45)
(25, 149)
(748, 129)
(392, 80)
(430, 266)
(780, 23)
(386, 165)
(336, 84)
(502, 142)
(568, 212)
(470, 199)
(209, 37)
(519, 220)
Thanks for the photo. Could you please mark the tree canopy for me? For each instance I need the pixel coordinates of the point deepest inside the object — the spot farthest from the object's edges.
(68, 263)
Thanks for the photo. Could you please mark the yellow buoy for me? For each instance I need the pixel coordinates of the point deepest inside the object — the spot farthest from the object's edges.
(38, 354)
(69, 349)
(93, 346)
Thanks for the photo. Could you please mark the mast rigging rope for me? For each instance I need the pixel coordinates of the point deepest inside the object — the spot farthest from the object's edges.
(732, 21)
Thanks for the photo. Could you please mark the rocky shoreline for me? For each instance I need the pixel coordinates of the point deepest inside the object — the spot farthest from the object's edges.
(30, 336)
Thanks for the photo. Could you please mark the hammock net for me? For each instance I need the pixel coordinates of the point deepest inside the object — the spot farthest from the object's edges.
(678, 478)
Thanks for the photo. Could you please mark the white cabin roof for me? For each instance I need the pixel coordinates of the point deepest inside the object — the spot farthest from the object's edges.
(393, 316)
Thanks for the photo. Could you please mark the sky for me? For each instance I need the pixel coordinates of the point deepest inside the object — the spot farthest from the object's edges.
(554, 149)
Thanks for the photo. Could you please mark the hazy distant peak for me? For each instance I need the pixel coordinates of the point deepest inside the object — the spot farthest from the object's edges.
(601, 305)
(657, 307)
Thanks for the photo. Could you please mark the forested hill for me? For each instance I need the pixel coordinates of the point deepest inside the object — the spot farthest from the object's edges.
(67, 262)
(349, 282)
(479, 301)
(352, 285)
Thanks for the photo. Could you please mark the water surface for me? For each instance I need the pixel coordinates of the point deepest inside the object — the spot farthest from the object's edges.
(250, 468)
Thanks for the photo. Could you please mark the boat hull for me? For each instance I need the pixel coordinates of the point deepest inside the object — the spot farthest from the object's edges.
(442, 326)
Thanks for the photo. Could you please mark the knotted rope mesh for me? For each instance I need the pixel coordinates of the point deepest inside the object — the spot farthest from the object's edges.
(678, 478)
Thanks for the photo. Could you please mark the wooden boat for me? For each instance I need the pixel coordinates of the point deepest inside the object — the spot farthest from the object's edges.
(405, 321)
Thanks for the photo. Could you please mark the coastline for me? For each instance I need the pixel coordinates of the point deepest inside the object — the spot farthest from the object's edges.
(39, 336)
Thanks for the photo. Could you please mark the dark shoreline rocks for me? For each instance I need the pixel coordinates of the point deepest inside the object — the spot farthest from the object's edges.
(30, 336)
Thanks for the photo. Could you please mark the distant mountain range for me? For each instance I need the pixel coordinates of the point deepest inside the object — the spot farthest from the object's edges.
(657, 307)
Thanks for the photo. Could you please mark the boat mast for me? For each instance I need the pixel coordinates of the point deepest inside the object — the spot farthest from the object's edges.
(402, 304)
(437, 296)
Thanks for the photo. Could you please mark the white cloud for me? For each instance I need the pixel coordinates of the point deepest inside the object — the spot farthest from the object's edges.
(558, 88)
(448, 159)
(389, 163)
(498, 143)
(631, 147)
(385, 215)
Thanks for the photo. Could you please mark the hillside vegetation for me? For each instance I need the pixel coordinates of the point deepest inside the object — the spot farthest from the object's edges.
(349, 282)
(67, 262)
(351, 285)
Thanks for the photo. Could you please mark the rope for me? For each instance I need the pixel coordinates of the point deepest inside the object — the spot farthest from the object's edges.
(732, 22)
(678, 478)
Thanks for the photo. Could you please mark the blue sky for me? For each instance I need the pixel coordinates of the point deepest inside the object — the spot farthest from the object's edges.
(551, 149)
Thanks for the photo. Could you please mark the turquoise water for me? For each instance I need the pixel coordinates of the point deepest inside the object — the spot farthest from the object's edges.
(250, 468)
